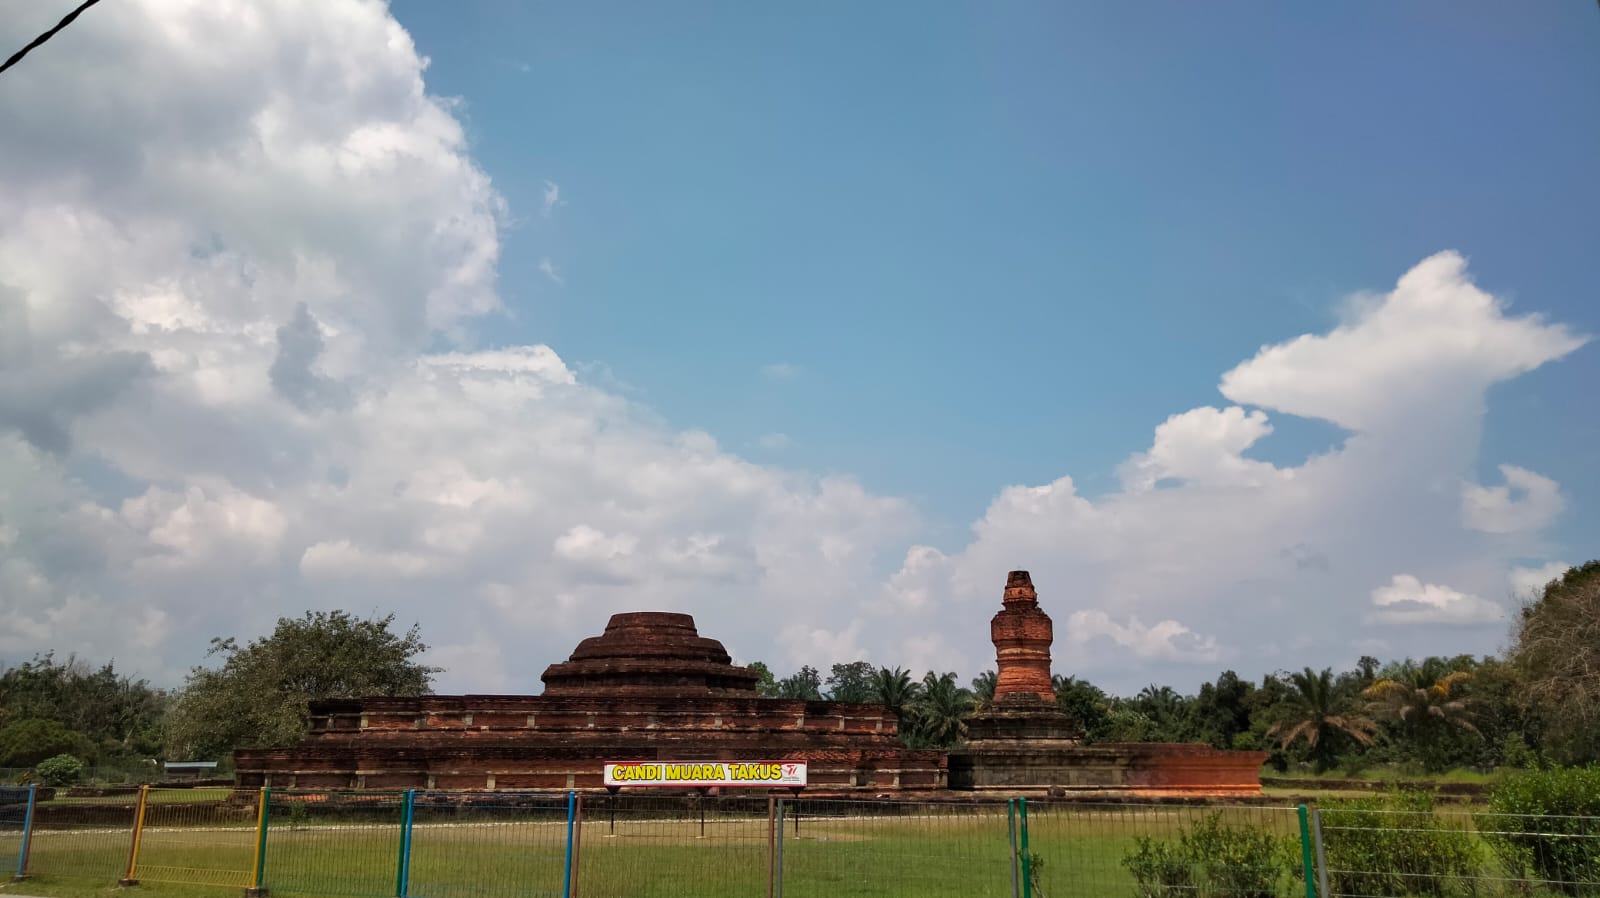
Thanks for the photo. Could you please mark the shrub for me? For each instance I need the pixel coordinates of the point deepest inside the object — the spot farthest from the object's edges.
(61, 770)
(1211, 859)
(1542, 823)
(1396, 845)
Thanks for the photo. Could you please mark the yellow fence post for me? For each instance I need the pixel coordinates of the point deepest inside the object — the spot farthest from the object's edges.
(131, 878)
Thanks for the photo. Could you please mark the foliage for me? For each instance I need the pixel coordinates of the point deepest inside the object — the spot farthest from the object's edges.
(27, 742)
(1221, 711)
(1316, 713)
(118, 717)
(1086, 703)
(1556, 647)
(1395, 845)
(984, 685)
(766, 685)
(894, 688)
(61, 770)
(851, 682)
(1542, 824)
(806, 684)
(1425, 702)
(940, 710)
(1210, 860)
(258, 697)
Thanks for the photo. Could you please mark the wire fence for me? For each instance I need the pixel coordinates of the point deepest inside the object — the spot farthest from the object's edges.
(1385, 853)
(429, 844)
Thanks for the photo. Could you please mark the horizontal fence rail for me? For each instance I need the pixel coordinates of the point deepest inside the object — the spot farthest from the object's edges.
(433, 844)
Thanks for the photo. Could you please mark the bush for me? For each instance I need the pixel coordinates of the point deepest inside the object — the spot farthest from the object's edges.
(1396, 845)
(1211, 859)
(61, 770)
(25, 743)
(1542, 824)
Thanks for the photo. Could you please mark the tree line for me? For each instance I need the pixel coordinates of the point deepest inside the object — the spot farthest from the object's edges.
(1539, 704)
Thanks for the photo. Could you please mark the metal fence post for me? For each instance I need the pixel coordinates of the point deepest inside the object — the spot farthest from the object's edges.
(577, 847)
(402, 867)
(263, 817)
(27, 835)
(772, 854)
(1305, 854)
(1027, 862)
(566, 876)
(131, 876)
(780, 850)
(1322, 854)
(1011, 835)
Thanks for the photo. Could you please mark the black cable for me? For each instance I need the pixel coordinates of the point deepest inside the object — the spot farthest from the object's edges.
(17, 56)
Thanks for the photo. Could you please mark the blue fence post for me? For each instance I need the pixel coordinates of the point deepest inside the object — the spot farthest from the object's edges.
(566, 876)
(402, 874)
(27, 835)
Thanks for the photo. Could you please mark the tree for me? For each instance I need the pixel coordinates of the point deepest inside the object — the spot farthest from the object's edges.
(1222, 709)
(983, 686)
(941, 710)
(25, 743)
(766, 686)
(805, 684)
(258, 697)
(894, 688)
(1315, 712)
(850, 682)
(1423, 701)
(1556, 647)
(1085, 703)
(119, 717)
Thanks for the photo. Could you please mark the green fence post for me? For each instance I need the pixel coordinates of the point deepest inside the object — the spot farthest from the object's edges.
(263, 818)
(1027, 862)
(1305, 854)
(402, 866)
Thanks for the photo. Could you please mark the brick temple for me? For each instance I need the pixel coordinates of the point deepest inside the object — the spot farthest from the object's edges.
(651, 688)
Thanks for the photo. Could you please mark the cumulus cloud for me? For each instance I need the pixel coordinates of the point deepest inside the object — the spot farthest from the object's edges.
(1529, 582)
(1494, 509)
(1241, 559)
(1407, 600)
(235, 383)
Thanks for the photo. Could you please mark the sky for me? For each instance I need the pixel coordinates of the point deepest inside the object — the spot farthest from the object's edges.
(1263, 337)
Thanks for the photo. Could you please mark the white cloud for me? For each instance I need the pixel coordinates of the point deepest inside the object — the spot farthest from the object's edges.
(548, 269)
(1493, 509)
(1407, 600)
(1167, 639)
(774, 441)
(552, 194)
(235, 383)
(1529, 582)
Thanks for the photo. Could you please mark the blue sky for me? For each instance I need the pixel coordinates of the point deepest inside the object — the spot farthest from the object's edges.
(1260, 334)
(1001, 243)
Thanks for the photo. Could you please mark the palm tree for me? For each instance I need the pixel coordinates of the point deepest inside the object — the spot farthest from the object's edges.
(1315, 712)
(1424, 701)
(942, 708)
(894, 688)
(983, 686)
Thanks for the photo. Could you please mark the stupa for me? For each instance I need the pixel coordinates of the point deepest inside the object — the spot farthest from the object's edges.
(1022, 742)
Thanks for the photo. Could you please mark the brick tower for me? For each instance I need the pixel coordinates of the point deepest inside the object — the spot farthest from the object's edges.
(1024, 705)
(1022, 634)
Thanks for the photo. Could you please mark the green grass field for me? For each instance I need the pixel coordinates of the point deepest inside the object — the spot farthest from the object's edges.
(937, 852)
(942, 854)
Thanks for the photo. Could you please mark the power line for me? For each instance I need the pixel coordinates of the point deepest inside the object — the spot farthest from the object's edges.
(17, 56)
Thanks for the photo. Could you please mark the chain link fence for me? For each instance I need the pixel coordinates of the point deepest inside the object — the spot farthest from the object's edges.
(428, 844)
